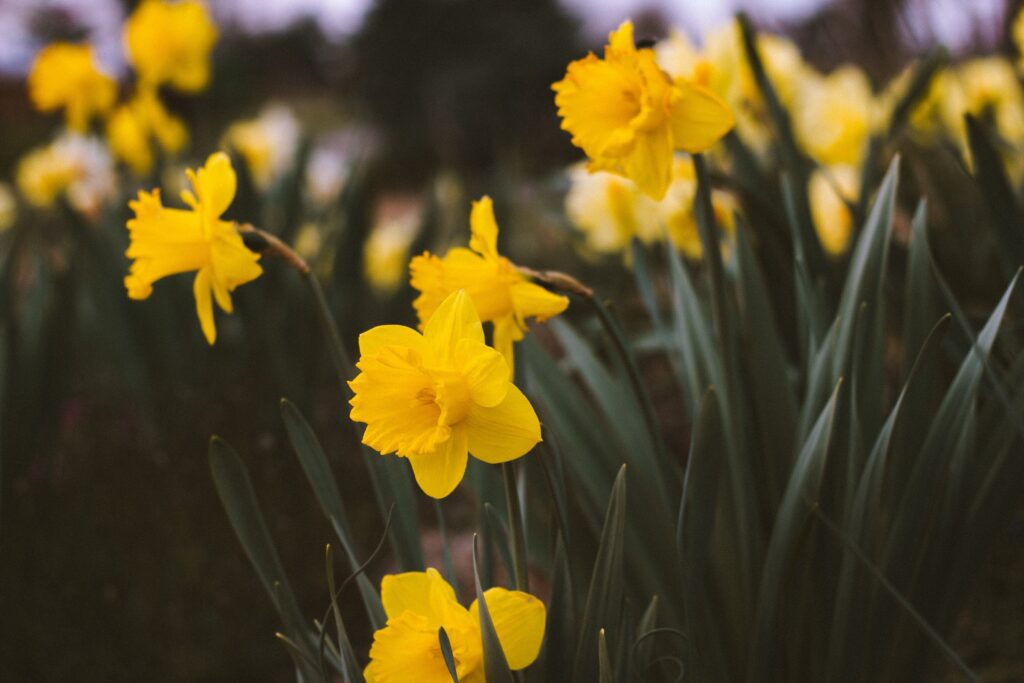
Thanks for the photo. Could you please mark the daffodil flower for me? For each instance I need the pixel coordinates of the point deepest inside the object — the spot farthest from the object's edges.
(170, 43)
(133, 126)
(417, 604)
(502, 295)
(168, 241)
(434, 398)
(66, 76)
(629, 116)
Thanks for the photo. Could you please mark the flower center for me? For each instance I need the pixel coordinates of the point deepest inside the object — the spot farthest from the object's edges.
(450, 394)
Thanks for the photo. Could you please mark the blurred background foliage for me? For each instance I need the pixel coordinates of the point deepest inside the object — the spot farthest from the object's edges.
(116, 560)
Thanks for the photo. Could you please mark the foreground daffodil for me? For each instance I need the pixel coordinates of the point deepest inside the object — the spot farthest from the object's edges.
(629, 116)
(170, 43)
(418, 604)
(66, 76)
(502, 295)
(168, 241)
(436, 397)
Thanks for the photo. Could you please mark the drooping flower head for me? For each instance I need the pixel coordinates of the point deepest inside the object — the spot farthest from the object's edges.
(167, 241)
(629, 117)
(417, 604)
(500, 292)
(66, 76)
(169, 43)
(437, 397)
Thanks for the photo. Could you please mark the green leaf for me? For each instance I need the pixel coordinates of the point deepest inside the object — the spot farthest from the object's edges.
(604, 597)
(604, 665)
(321, 479)
(1004, 210)
(782, 556)
(560, 630)
(234, 487)
(349, 669)
(446, 652)
(495, 665)
(919, 311)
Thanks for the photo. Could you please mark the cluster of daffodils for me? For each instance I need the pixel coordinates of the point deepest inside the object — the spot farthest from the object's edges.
(634, 189)
(168, 45)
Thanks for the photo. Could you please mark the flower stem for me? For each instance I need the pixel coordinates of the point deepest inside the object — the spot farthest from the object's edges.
(515, 528)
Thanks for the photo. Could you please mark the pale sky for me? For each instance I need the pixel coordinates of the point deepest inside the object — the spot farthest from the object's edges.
(951, 22)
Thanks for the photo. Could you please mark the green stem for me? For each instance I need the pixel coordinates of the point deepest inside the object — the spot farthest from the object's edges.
(515, 528)
(708, 230)
(343, 365)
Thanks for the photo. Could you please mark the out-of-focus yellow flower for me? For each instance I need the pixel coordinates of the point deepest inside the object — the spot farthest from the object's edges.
(629, 117)
(169, 43)
(267, 143)
(988, 88)
(8, 207)
(835, 116)
(386, 251)
(828, 191)
(133, 126)
(66, 76)
(434, 398)
(308, 241)
(611, 211)
(501, 294)
(74, 167)
(722, 67)
(168, 241)
(418, 604)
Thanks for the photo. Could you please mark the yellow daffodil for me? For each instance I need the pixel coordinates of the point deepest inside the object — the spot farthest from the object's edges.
(267, 143)
(66, 76)
(828, 192)
(501, 294)
(721, 65)
(835, 116)
(386, 251)
(611, 211)
(629, 116)
(73, 167)
(169, 43)
(418, 604)
(168, 241)
(133, 126)
(434, 398)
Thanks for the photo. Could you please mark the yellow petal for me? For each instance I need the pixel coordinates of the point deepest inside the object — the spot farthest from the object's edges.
(202, 289)
(408, 649)
(533, 301)
(519, 622)
(506, 431)
(506, 334)
(699, 118)
(215, 183)
(649, 164)
(423, 593)
(438, 473)
(484, 228)
(485, 372)
(455, 319)
(382, 336)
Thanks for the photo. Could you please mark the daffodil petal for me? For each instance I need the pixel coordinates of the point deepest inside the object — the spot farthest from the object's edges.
(215, 183)
(484, 228)
(506, 431)
(485, 371)
(455, 319)
(533, 301)
(699, 118)
(506, 334)
(439, 472)
(519, 622)
(202, 288)
(649, 164)
(416, 592)
(382, 336)
(407, 648)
